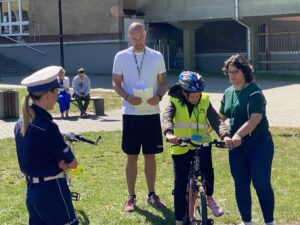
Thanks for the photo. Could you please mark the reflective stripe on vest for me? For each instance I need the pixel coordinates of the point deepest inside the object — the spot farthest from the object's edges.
(190, 125)
(186, 125)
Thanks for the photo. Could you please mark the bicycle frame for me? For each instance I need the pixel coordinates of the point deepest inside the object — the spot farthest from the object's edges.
(196, 186)
(70, 138)
(196, 199)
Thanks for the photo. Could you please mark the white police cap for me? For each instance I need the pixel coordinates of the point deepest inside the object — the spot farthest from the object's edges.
(42, 80)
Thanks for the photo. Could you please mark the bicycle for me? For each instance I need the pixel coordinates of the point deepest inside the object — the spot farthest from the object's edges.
(196, 212)
(70, 138)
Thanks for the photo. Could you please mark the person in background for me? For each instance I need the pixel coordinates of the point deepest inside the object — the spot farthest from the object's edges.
(63, 94)
(139, 77)
(81, 85)
(42, 153)
(251, 147)
(189, 113)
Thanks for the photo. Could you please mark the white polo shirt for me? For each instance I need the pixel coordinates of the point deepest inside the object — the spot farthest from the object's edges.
(152, 64)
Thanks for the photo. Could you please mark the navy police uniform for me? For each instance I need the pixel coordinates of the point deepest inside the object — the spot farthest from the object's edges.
(48, 197)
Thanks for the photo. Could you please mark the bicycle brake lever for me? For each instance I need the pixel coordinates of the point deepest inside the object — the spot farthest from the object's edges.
(97, 140)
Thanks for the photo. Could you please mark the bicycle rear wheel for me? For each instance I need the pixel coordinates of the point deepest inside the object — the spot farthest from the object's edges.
(201, 210)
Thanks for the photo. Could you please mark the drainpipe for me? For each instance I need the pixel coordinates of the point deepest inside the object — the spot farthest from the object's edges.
(236, 6)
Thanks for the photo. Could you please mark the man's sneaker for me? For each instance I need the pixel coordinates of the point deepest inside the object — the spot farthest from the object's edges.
(130, 204)
(155, 202)
(216, 210)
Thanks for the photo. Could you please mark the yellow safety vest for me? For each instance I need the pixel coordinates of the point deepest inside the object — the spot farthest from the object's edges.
(186, 126)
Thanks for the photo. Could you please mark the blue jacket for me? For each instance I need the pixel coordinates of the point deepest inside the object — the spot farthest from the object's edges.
(42, 147)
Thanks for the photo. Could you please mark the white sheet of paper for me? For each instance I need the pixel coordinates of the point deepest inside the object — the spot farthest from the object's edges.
(145, 94)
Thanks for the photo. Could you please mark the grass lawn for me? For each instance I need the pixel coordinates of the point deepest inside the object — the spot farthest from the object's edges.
(103, 190)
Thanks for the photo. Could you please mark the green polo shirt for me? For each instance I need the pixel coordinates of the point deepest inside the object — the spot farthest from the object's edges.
(240, 104)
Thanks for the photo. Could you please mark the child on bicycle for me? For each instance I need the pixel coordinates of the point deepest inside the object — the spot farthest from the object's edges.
(189, 113)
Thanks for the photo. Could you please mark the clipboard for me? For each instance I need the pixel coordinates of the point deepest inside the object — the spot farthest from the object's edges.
(144, 94)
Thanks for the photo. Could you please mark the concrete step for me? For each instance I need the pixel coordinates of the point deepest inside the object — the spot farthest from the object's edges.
(11, 67)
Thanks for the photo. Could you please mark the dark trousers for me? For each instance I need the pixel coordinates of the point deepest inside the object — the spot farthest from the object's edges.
(181, 164)
(86, 99)
(50, 203)
(252, 162)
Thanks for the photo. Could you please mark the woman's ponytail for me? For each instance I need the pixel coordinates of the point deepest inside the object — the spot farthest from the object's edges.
(27, 116)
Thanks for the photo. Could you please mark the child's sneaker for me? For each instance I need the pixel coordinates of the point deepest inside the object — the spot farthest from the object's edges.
(216, 210)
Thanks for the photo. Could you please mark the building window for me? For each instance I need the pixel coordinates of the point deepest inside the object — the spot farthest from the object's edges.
(14, 17)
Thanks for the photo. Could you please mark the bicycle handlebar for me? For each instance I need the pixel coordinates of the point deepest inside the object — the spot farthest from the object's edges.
(183, 142)
(72, 137)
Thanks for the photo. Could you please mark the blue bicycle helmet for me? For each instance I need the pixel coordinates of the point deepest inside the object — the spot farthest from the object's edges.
(191, 82)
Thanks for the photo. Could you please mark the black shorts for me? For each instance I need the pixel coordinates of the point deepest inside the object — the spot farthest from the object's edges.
(142, 131)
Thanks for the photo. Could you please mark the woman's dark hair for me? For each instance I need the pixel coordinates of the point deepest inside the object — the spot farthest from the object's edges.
(240, 63)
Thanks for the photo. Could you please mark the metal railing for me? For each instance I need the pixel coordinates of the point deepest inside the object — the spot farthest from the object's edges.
(279, 49)
(23, 44)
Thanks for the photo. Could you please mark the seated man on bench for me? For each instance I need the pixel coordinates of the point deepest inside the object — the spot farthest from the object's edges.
(82, 85)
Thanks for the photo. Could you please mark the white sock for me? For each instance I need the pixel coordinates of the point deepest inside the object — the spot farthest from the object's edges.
(271, 223)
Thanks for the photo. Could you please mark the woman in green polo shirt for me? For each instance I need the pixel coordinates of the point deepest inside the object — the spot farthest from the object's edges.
(250, 157)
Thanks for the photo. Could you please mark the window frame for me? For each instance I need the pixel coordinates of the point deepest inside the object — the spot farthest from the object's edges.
(8, 25)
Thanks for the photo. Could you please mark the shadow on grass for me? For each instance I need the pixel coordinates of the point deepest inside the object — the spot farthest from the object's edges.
(110, 120)
(74, 118)
(70, 118)
(82, 217)
(168, 218)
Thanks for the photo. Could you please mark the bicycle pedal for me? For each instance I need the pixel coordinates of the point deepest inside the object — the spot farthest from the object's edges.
(75, 196)
(210, 222)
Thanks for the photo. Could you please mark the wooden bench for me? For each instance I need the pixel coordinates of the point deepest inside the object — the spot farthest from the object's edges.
(98, 104)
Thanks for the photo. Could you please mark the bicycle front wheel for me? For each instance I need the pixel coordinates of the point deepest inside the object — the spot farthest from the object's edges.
(203, 206)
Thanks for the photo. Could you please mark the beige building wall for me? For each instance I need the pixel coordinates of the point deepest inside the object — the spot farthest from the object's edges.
(129, 4)
(80, 17)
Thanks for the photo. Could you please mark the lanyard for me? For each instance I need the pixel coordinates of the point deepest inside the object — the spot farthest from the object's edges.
(196, 117)
(139, 68)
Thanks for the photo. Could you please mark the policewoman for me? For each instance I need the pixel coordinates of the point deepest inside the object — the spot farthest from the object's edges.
(42, 153)
(189, 114)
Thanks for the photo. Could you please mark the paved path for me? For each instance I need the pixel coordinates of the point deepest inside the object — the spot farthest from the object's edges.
(283, 105)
